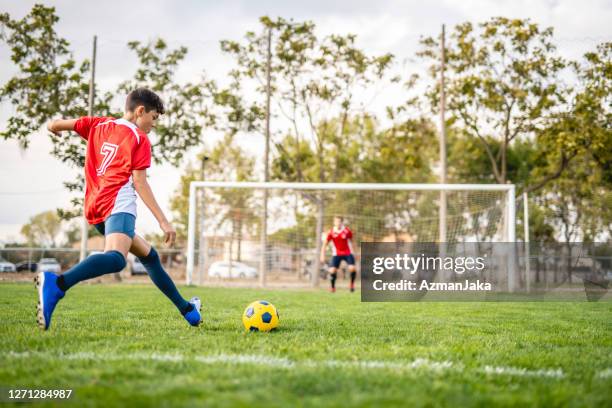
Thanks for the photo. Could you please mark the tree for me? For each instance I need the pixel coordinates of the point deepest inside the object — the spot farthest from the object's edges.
(49, 82)
(579, 202)
(315, 79)
(579, 199)
(584, 129)
(236, 207)
(593, 104)
(503, 83)
(179, 204)
(232, 210)
(309, 77)
(572, 205)
(42, 229)
(73, 234)
(399, 154)
(180, 128)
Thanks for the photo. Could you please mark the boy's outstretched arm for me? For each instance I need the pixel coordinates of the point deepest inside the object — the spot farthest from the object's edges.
(58, 125)
(139, 177)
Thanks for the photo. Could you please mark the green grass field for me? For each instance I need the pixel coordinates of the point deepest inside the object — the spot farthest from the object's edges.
(118, 345)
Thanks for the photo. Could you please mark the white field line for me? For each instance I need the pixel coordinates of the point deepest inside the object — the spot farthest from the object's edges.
(284, 363)
(246, 359)
(522, 372)
(419, 363)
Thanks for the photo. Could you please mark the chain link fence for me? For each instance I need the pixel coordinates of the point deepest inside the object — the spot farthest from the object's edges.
(17, 264)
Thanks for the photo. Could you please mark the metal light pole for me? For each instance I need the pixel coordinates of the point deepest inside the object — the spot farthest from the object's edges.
(90, 112)
(263, 264)
(202, 273)
(443, 236)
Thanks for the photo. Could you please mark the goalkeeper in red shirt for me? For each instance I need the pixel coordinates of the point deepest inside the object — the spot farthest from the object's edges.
(340, 235)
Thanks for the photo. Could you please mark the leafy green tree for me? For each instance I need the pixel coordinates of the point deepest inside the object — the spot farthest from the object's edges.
(503, 83)
(49, 82)
(314, 78)
(186, 110)
(578, 200)
(231, 209)
(592, 107)
(512, 119)
(42, 229)
(72, 234)
(399, 154)
(179, 204)
(311, 78)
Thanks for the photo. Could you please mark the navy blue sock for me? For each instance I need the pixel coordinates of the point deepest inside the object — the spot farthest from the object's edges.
(163, 281)
(93, 266)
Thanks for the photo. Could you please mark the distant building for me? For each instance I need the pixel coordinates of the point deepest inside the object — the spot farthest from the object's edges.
(93, 244)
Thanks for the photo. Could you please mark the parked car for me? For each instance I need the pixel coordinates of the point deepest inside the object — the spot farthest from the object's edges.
(49, 265)
(27, 266)
(6, 266)
(137, 267)
(236, 270)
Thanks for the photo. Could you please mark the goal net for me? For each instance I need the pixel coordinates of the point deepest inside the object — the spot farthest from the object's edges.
(274, 231)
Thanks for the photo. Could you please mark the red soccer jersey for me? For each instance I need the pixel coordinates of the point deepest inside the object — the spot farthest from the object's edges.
(115, 147)
(342, 245)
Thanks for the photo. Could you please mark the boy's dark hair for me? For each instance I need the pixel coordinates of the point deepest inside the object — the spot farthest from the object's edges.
(145, 97)
(339, 216)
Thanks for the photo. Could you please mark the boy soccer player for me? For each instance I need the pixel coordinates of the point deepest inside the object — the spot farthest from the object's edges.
(342, 248)
(118, 154)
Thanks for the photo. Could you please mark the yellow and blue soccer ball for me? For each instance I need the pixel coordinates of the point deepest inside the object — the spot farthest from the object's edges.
(260, 316)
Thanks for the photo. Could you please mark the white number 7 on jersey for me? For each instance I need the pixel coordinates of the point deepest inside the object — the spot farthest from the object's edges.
(109, 151)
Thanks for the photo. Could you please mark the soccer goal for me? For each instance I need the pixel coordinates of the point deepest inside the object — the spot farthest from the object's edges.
(274, 230)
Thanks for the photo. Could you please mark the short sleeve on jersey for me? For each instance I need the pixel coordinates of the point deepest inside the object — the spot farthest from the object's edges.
(349, 233)
(84, 124)
(141, 155)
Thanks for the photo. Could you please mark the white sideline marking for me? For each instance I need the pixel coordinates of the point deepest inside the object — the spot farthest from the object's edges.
(246, 359)
(281, 362)
(416, 364)
(523, 372)
(118, 357)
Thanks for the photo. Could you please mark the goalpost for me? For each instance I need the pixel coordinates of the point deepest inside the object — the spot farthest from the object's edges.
(225, 220)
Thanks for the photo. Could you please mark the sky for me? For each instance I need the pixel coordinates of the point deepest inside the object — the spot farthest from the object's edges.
(31, 180)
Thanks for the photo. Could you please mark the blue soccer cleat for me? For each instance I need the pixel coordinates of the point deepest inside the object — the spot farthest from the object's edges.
(48, 296)
(194, 317)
